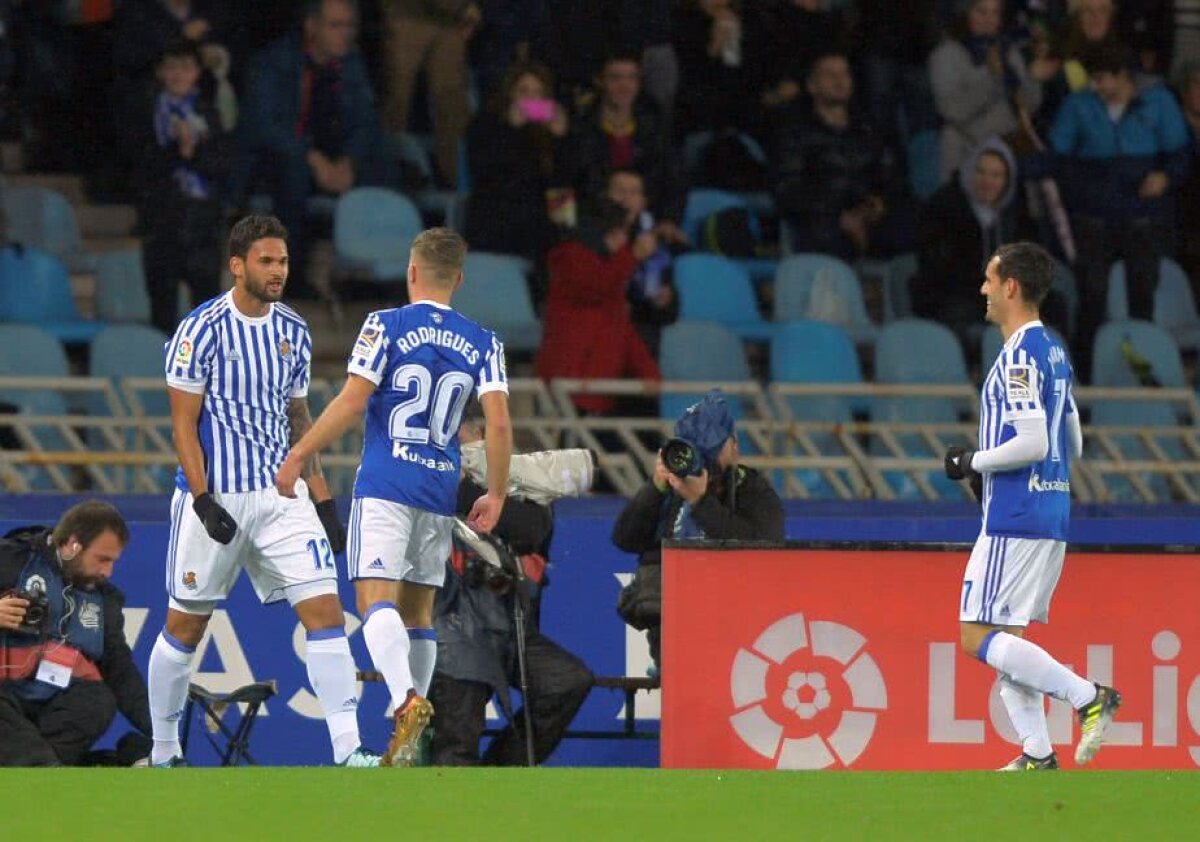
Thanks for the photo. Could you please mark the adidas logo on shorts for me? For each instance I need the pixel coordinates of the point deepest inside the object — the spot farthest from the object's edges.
(377, 564)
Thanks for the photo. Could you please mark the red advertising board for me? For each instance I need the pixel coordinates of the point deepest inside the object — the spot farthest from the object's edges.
(831, 659)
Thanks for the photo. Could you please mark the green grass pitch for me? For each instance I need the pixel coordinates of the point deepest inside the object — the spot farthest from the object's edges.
(576, 804)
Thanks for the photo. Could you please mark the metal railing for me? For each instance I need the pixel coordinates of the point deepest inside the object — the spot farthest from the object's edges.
(812, 440)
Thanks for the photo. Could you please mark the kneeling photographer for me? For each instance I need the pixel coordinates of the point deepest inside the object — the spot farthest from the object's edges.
(65, 668)
(698, 490)
(486, 618)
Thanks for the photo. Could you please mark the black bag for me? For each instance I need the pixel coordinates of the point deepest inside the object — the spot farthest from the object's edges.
(728, 232)
(640, 602)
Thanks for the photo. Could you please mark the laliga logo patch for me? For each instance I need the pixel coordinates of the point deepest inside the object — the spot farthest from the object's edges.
(804, 694)
(183, 351)
(366, 340)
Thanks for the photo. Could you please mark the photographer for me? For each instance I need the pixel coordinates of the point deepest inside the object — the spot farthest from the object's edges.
(698, 490)
(476, 623)
(65, 668)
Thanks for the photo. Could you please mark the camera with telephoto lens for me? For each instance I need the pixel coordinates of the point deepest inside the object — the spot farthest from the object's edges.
(37, 613)
(682, 458)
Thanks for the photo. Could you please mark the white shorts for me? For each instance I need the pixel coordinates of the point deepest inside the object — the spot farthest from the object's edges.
(279, 540)
(388, 540)
(1010, 581)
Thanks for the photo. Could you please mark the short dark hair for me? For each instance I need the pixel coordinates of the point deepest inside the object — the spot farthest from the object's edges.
(313, 9)
(87, 521)
(1107, 57)
(621, 55)
(251, 229)
(1030, 265)
(825, 55)
(182, 48)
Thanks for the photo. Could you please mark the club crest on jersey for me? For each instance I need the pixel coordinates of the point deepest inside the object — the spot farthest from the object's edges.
(183, 352)
(285, 348)
(1020, 383)
(436, 318)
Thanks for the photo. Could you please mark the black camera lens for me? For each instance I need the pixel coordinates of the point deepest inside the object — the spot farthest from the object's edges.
(681, 458)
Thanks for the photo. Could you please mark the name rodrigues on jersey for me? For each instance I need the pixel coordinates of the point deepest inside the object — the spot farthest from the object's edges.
(438, 336)
(401, 451)
(1036, 483)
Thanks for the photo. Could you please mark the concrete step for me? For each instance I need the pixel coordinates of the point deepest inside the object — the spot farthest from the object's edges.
(12, 157)
(106, 220)
(83, 290)
(69, 185)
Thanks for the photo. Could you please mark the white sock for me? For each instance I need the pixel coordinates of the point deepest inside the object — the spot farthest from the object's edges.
(332, 676)
(1027, 710)
(422, 656)
(1029, 664)
(387, 641)
(169, 674)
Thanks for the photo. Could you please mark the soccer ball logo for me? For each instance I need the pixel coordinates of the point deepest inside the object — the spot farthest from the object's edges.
(819, 698)
(787, 685)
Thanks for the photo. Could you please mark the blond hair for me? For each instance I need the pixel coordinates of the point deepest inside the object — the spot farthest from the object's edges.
(442, 251)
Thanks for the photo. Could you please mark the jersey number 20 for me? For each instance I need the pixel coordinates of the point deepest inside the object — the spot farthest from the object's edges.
(440, 405)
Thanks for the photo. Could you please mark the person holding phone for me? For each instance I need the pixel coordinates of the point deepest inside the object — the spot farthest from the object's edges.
(513, 149)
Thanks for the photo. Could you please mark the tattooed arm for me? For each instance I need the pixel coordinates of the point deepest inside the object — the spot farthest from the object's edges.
(300, 422)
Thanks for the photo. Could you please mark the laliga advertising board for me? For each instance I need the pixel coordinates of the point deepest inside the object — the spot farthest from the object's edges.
(803, 658)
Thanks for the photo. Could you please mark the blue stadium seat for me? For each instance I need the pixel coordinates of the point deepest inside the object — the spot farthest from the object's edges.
(1111, 367)
(495, 293)
(373, 229)
(825, 289)
(28, 351)
(706, 352)
(924, 163)
(121, 294)
(702, 203)
(715, 289)
(805, 351)
(36, 289)
(1174, 304)
(919, 351)
(43, 219)
(131, 351)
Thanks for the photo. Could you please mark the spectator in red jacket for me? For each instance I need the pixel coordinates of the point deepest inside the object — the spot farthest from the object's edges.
(589, 333)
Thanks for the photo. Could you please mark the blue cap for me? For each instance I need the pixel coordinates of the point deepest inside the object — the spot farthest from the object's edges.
(707, 425)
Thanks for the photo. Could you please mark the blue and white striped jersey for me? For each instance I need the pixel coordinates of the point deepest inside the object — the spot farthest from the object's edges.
(1031, 378)
(247, 369)
(426, 360)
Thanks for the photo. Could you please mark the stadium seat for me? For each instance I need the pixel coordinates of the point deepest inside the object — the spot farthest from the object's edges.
(495, 293)
(702, 203)
(43, 219)
(897, 279)
(131, 351)
(919, 351)
(706, 352)
(1174, 304)
(1113, 365)
(36, 289)
(924, 163)
(825, 289)
(29, 351)
(805, 351)
(373, 228)
(121, 294)
(715, 289)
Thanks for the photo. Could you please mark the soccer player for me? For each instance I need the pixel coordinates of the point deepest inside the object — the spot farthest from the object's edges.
(238, 373)
(412, 371)
(1028, 434)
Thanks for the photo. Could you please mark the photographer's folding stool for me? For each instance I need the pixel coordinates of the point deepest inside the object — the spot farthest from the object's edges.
(237, 740)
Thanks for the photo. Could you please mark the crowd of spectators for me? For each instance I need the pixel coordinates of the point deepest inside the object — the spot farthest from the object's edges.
(541, 110)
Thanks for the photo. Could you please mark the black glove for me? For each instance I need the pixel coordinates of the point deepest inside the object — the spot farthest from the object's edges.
(958, 462)
(977, 487)
(218, 523)
(327, 512)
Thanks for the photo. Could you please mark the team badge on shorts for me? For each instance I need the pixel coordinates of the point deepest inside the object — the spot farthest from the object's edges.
(285, 348)
(189, 580)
